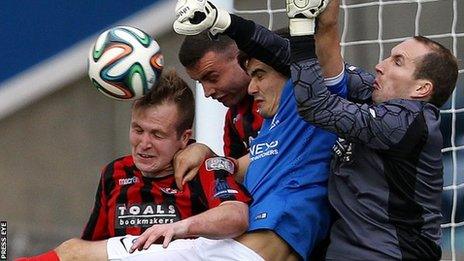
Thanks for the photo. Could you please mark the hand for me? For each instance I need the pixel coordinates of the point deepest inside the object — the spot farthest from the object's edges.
(302, 15)
(186, 162)
(168, 231)
(307, 8)
(195, 16)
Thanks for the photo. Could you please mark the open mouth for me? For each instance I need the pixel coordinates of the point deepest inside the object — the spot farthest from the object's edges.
(376, 85)
(144, 156)
(258, 100)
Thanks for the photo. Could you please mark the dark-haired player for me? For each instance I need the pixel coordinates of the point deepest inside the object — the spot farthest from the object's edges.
(218, 65)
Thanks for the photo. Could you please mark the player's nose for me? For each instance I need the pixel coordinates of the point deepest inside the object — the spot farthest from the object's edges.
(252, 88)
(379, 68)
(145, 141)
(209, 90)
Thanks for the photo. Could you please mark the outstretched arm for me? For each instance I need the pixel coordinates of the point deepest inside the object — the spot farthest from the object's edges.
(187, 162)
(255, 40)
(379, 126)
(227, 220)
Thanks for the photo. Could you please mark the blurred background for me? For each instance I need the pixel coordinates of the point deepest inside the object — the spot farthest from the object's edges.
(57, 131)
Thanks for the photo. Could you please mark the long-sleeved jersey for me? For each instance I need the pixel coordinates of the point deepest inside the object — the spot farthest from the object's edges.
(289, 159)
(126, 202)
(387, 174)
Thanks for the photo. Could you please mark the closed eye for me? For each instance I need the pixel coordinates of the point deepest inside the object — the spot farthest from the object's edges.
(210, 78)
(258, 74)
(399, 60)
(158, 134)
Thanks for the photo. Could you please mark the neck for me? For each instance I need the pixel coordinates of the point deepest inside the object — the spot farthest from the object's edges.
(159, 174)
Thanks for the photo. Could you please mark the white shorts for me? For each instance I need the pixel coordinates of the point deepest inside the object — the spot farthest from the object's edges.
(181, 249)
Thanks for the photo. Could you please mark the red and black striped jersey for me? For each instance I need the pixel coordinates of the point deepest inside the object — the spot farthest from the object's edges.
(241, 125)
(126, 202)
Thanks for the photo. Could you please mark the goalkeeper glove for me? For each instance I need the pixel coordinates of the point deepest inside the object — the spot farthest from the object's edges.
(195, 16)
(302, 15)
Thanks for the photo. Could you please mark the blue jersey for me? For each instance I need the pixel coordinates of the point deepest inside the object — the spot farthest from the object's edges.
(289, 166)
(287, 176)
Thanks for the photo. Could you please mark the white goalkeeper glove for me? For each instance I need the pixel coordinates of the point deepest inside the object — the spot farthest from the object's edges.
(302, 14)
(195, 16)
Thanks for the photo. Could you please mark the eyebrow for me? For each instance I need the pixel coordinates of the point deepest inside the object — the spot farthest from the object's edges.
(206, 75)
(256, 71)
(158, 131)
(399, 56)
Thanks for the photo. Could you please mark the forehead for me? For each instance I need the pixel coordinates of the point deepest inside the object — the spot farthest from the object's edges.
(411, 49)
(211, 61)
(163, 116)
(255, 64)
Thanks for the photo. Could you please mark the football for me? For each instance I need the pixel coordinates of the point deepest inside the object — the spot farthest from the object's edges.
(124, 63)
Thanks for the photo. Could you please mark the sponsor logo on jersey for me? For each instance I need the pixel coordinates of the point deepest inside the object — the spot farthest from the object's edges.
(220, 163)
(170, 191)
(264, 149)
(128, 181)
(145, 215)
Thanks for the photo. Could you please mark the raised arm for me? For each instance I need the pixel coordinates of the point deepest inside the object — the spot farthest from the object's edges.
(255, 40)
(327, 37)
(260, 43)
(328, 48)
(187, 163)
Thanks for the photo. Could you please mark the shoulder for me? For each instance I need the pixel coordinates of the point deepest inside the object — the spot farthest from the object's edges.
(401, 106)
(118, 167)
(405, 117)
(397, 115)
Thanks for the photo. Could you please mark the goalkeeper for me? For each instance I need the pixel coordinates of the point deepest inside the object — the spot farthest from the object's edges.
(387, 174)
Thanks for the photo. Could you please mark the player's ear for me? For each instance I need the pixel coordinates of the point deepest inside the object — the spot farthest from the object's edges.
(185, 137)
(423, 89)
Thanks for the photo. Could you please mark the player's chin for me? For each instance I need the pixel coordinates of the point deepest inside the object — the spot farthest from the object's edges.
(144, 164)
(229, 100)
(226, 103)
(377, 97)
(146, 168)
